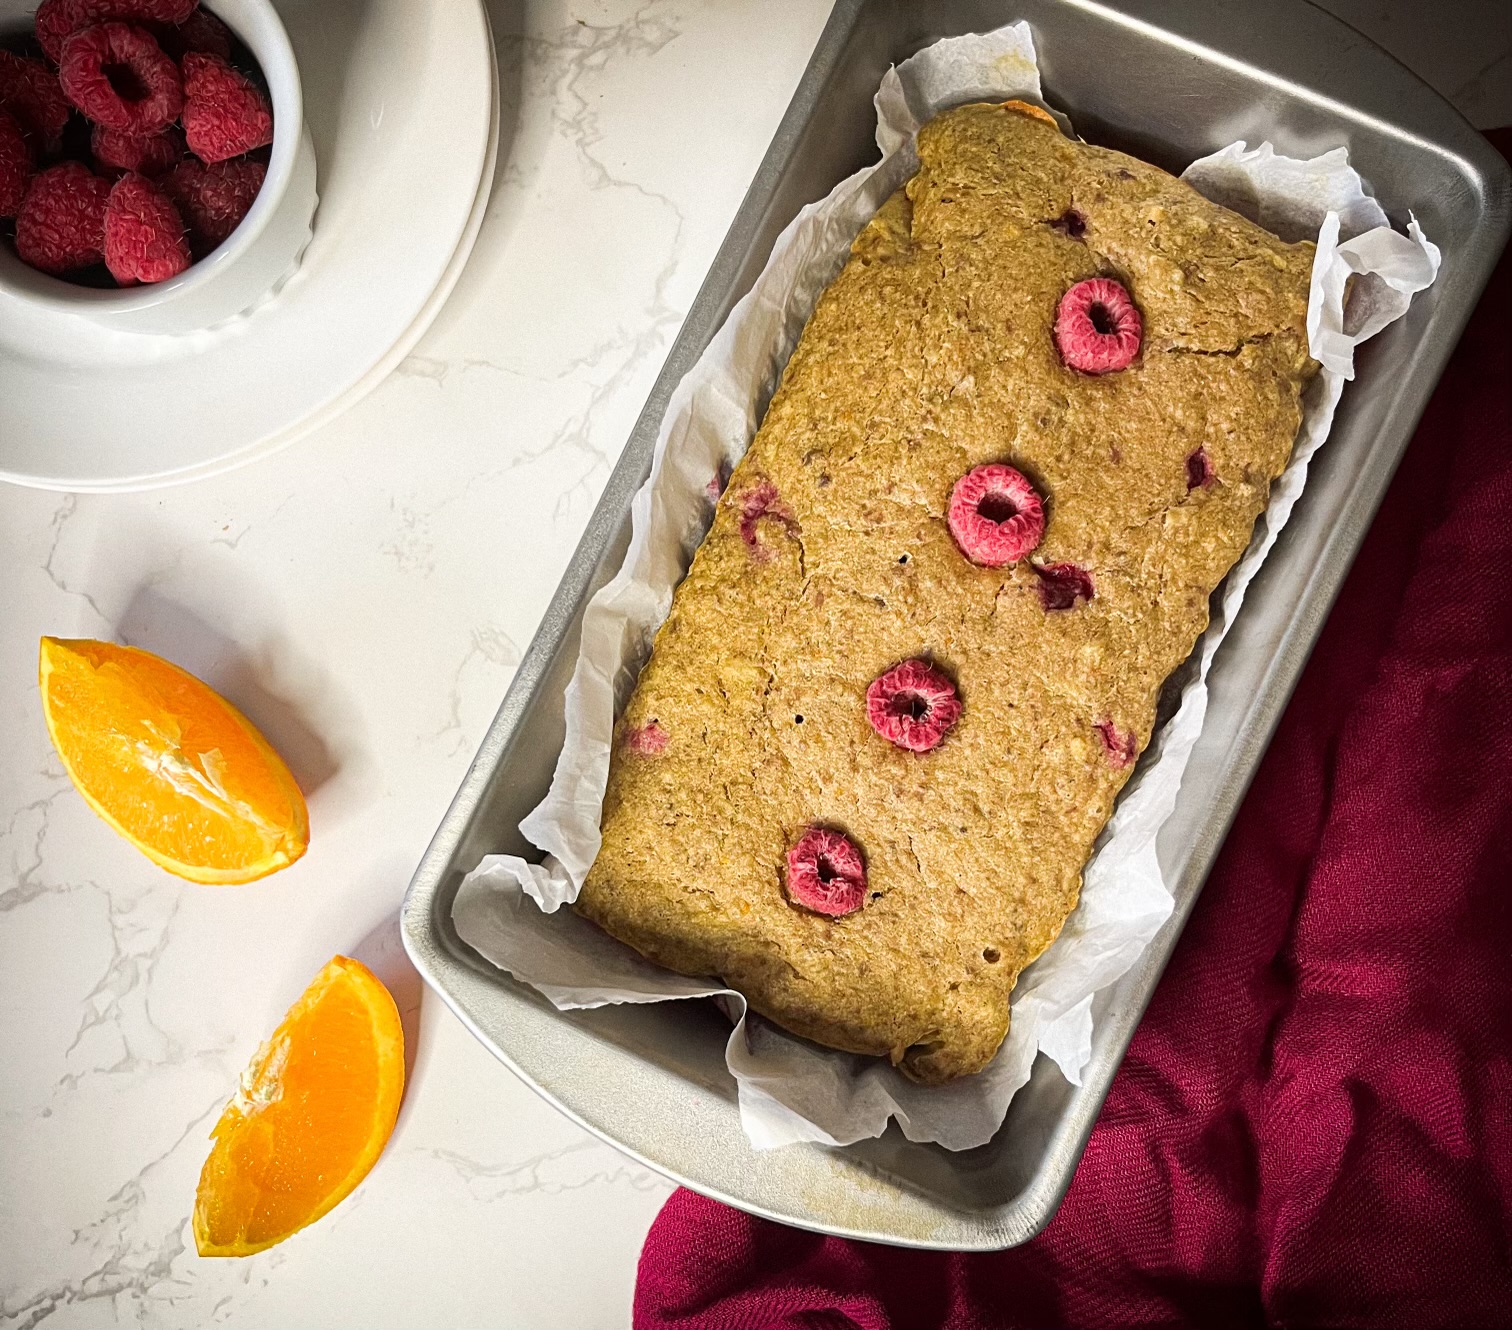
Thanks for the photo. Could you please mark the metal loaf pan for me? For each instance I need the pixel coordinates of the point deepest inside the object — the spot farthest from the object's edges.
(1167, 80)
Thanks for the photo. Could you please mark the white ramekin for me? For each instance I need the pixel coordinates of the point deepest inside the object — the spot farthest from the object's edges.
(253, 258)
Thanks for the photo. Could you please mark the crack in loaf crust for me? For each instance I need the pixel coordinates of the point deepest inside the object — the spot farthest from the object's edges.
(829, 561)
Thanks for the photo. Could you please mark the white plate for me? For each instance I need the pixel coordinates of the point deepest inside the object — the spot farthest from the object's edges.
(401, 100)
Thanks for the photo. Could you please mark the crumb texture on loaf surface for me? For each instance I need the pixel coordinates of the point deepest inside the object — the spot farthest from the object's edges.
(829, 561)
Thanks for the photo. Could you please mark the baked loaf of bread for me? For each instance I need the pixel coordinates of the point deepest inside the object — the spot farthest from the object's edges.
(1025, 434)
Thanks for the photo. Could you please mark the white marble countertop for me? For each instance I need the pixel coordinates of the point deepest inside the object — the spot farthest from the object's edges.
(364, 597)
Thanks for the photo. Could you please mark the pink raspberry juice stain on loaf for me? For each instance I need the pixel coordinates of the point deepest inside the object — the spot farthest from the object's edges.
(1097, 327)
(913, 705)
(757, 504)
(1121, 746)
(995, 515)
(649, 740)
(825, 873)
(1061, 585)
(1199, 471)
(717, 482)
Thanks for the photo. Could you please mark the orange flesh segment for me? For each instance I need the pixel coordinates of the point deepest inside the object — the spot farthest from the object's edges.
(170, 764)
(314, 1111)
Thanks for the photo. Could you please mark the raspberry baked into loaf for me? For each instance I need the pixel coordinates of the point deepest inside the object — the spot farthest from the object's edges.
(1025, 434)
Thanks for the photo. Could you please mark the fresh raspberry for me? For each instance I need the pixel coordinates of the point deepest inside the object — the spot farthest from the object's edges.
(139, 11)
(225, 114)
(825, 873)
(119, 77)
(757, 504)
(61, 225)
(56, 20)
(995, 515)
(1061, 585)
(1122, 746)
(912, 705)
(15, 165)
(1199, 471)
(29, 91)
(1097, 327)
(144, 236)
(116, 153)
(201, 31)
(213, 199)
(649, 740)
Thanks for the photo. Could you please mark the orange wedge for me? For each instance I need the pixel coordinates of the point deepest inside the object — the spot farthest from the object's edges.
(170, 764)
(313, 1113)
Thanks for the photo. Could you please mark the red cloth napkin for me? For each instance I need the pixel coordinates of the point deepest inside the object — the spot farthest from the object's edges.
(1313, 1125)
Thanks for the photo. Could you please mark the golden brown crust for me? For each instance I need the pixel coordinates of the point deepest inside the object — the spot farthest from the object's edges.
(929, 354)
